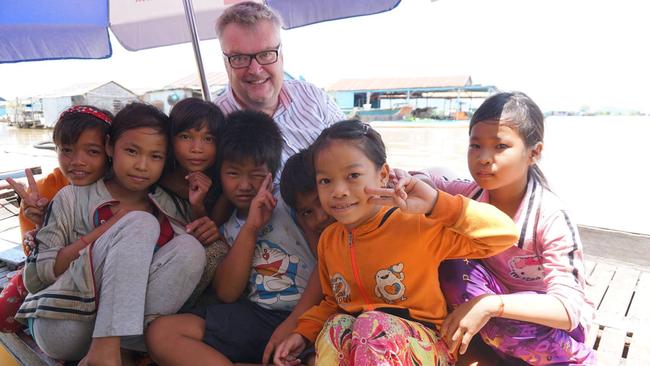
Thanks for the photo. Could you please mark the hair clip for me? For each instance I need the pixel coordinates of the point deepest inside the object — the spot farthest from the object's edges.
(89, 110)
(365, 128)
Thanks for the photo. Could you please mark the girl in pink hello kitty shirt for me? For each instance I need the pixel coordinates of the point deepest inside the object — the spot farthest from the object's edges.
(527, 303)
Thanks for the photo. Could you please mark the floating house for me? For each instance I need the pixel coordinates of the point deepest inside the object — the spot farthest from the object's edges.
(441, 97)
(110, 96)
(189, 86)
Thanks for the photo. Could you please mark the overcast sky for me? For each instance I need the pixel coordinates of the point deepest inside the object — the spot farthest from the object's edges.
(564, 53)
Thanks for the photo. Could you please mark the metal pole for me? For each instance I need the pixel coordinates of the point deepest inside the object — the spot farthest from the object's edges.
(191, 24)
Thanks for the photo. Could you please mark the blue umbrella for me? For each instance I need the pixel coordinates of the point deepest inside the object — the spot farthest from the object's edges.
(33, 30)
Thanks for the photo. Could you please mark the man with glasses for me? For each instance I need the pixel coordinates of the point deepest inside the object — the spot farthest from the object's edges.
(249, 34)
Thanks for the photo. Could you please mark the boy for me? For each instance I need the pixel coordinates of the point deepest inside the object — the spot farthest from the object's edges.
(269, 260)
(298, 189)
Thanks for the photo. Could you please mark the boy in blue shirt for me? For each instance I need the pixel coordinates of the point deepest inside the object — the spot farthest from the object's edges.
(268, 265)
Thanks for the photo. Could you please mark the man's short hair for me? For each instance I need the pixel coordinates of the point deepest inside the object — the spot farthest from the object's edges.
(249, 134)
(247, 13)
(298, 176)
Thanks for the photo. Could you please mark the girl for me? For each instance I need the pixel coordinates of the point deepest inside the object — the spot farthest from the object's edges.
(375, 262)
(195, 126)
(537, 287)
(112, 255)
(79, 136)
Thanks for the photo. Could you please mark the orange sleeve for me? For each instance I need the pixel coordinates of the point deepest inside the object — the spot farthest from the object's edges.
(469, 229)
(47, 187)
(312, 321)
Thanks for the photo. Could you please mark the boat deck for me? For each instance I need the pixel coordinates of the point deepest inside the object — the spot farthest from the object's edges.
(621, 293)
(619, 289)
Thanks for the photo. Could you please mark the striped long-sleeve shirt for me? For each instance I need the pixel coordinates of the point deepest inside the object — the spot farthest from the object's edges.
(548, 257)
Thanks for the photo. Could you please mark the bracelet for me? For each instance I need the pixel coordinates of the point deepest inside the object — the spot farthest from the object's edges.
(501, 306)
(84, 241)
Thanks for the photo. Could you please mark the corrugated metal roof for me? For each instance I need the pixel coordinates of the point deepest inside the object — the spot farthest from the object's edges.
(400, 83)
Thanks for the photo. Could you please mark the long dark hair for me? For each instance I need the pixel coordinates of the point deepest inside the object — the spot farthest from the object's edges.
(194, 113)
(518, 111)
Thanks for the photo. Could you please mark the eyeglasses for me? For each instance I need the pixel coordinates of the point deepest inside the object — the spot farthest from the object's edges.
(243, 60)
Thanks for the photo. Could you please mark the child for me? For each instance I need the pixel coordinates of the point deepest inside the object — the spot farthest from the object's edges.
(269, 259)
(79, 136)
(375, 263)
(538, 285)
(195, 127)
(298, 190)
(111, 255)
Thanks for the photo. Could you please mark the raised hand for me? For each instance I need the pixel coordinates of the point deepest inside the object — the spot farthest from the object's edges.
(199, 185)
(32, 203)
(409, 194)
(262, 205)
(204, 230)
(286, 354)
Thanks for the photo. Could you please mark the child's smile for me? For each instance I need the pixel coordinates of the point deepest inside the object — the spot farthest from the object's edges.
(342, 173)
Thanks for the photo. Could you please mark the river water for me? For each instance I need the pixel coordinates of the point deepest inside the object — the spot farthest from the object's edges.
(590, 162)
(595, 164)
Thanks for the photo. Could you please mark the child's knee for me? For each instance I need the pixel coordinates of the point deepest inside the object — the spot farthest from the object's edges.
(371, 321)
(143, 221)
(139, 225)
(158, 332)
(189, 255)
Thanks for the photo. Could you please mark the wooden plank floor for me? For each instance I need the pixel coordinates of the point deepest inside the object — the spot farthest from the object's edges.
(621, 293)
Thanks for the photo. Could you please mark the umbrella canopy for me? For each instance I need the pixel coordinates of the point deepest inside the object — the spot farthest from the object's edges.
(32, 30)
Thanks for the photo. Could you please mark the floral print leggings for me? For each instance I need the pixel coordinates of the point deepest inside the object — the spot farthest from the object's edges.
(377, 338)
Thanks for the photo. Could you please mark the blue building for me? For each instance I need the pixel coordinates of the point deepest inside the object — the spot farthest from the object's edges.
(449, 97)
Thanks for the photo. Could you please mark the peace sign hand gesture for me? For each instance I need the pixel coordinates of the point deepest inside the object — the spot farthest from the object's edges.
(261, 208)
(410, 194)
(32, 203)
